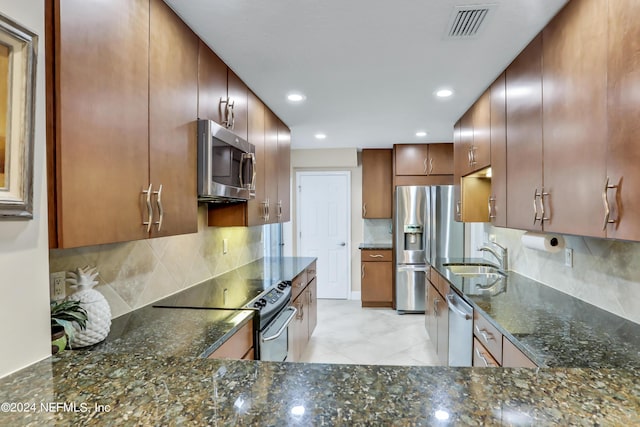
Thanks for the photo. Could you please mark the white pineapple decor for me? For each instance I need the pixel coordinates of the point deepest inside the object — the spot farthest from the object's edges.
(96, 305)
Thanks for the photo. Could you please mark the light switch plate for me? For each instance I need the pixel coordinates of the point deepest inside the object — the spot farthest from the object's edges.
(568, 257)
(57, 285)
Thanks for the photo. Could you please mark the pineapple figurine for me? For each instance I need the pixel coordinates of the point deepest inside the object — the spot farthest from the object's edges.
(96, 305)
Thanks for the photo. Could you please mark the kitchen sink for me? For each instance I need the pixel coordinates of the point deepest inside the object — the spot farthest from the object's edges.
(473, 270)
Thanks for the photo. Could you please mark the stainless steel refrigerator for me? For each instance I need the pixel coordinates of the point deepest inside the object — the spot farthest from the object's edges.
(425, 230)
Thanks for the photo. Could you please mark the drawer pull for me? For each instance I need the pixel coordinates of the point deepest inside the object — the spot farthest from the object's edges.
(481, 356)
(376, 256)
(485, 334)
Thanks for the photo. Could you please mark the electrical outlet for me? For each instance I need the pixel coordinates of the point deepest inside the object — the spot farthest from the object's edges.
(225, 246)
(57, 285)
(568, 257)
(492, 238)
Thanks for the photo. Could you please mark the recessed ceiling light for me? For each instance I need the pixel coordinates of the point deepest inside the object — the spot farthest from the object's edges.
(320, 136)
(296, 97)
(421, 133)
(444, 93)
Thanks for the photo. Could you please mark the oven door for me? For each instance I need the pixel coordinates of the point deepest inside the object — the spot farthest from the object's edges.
(275, 336)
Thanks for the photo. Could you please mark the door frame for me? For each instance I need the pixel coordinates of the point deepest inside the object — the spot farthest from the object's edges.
(342, 172)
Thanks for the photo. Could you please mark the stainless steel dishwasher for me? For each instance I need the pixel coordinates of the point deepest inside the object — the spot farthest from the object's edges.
(460, 331)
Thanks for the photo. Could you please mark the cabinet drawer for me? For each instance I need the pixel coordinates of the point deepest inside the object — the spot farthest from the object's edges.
(372, 255)
(482, 357)
(488, 335)
(514, 358)
(311, 272)
(298, 284)
(239, 346)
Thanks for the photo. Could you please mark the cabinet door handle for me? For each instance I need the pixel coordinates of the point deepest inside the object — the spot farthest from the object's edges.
(469, 156)
(605, 200)
(424, 163)
(229, 113)
(435, 306)
(544, 218)
(492, 202)
(279, 209)
(160, 207)
(149, 220)
(364, 209)
(535, 206)
(430, 165)
(473, 155)
(362, 269)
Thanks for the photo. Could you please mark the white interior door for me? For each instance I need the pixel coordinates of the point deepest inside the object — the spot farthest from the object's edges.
(323, 207)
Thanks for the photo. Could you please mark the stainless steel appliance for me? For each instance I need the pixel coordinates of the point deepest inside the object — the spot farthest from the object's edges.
(270, 301)
(460, 331)
(425, 230)
(226, 165)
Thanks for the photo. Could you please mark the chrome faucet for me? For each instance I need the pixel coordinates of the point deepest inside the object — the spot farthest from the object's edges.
(502, 257)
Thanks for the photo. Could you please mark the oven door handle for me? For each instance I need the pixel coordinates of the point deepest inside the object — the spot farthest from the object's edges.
(284, 327)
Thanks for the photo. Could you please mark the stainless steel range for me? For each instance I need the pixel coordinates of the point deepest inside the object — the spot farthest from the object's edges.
(269, 301)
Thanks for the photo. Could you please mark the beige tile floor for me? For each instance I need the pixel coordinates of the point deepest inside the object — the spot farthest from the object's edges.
(347, 333)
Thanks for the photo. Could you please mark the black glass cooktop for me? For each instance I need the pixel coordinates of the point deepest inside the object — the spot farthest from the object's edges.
(226, 293)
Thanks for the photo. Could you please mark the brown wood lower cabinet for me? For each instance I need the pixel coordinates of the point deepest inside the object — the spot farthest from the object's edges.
(305, 302)
(512, 357)
(238, 346)
(376, 271)
(437, 321)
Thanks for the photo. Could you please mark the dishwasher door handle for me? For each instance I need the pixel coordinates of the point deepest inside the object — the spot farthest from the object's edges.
(455, 309)
(284, 326)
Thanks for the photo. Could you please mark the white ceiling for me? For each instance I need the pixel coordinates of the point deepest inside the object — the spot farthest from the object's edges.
(367, 67)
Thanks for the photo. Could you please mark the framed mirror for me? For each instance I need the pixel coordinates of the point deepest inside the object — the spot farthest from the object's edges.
(18, 52)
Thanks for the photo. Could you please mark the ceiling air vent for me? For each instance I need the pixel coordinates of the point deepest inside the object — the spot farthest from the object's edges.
(467, 21)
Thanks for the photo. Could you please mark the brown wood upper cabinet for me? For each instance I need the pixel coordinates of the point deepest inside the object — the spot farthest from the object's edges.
(623, 73)
(377, 183)
(113, 151)
(424, 159)
(574, 87)
(524, 139)
(472, 151)
(222, 95)
(283, 205)
(498, 199)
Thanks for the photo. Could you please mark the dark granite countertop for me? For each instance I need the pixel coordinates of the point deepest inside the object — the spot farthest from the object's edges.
(172, 331)
(133, 389)
(552, 328)
(376, 246)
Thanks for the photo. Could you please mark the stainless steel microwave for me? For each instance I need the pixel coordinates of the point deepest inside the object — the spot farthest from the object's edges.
(226, 165)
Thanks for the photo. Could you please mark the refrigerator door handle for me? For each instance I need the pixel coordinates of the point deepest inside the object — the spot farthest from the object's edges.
(421, 268)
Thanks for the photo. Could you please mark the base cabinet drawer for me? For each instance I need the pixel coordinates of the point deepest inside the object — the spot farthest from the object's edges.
(487, 335)
(482, 357)
(238, 346)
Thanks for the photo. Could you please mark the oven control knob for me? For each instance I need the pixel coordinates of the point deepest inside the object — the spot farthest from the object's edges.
(257, 305)
(282, 286)
(263, 302)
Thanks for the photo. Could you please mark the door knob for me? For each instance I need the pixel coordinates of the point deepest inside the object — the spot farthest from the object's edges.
(343, 244)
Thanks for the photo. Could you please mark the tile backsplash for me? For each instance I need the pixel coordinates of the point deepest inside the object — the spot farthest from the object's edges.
(377, 231)
(134, 274)
(605, 273)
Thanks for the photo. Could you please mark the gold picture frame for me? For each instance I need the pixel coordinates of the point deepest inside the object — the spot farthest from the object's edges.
(18, 54)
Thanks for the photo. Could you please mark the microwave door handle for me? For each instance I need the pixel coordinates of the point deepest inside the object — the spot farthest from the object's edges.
(241, 169)
(252, 156)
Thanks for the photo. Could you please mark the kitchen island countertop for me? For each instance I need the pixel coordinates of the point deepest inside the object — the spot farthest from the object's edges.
(82, 388)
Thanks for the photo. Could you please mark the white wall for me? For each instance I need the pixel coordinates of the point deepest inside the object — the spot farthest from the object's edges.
(24, 262)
